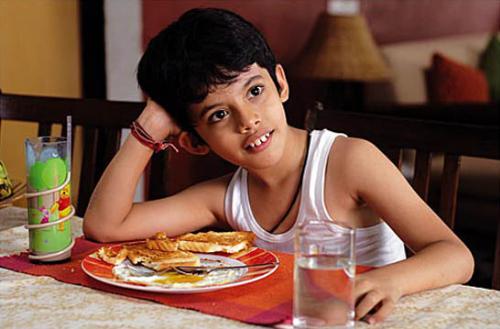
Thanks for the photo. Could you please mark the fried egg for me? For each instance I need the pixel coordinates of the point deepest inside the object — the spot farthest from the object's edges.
(138, 274)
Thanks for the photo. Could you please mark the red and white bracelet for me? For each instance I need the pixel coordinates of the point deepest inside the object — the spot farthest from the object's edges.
(145, 139)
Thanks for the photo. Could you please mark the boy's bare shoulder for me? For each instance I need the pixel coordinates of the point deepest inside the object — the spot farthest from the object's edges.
(348, 149)
(353, 157)
(356, 161)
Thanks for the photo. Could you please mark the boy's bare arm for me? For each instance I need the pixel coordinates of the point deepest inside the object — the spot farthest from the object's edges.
(440, 257)
(112, 215)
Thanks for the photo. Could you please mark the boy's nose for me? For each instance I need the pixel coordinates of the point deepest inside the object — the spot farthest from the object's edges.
(249, 120)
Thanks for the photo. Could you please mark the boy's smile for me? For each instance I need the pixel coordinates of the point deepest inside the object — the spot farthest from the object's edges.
(260, 142)
(245, 118)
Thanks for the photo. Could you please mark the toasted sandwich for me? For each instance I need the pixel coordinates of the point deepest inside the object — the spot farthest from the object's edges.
(161, 242)
(111, 256)
(229, 242)
(160, 260)
(161, 253)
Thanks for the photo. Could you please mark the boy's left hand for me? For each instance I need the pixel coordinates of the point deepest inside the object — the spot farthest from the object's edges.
(375, 296)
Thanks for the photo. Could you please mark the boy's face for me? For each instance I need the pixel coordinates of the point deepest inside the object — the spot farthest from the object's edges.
(244, 122)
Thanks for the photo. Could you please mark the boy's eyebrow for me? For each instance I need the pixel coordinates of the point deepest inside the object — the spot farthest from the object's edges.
(247, 83)
(208, 108)
(252, 79)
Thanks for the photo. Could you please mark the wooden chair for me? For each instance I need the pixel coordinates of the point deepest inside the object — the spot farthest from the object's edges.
(453, 130)
(102, 122)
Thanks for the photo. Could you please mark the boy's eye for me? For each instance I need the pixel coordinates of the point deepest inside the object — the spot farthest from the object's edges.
(256, 91)
(217, 115)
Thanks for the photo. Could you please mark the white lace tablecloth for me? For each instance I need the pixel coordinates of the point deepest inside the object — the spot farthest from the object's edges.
(42, 302)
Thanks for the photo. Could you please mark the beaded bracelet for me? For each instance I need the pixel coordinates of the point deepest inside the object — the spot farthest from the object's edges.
(145, 139)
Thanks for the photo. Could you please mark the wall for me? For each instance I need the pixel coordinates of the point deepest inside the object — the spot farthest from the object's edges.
(288, 23)
(39, 55)
(394, 21)
(123, 48)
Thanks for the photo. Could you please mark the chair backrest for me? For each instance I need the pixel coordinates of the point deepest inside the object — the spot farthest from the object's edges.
(102, 122)
(453, 130)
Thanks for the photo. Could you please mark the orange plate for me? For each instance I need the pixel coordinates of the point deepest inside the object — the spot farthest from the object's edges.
(102, 271)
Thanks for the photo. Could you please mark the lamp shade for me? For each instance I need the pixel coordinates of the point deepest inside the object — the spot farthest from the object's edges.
(341, 47)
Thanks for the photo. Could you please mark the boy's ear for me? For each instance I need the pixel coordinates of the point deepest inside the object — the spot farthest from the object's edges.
(280, 76)
(191, 144)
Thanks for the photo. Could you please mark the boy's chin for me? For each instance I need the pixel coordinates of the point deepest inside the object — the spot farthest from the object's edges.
(262, 163)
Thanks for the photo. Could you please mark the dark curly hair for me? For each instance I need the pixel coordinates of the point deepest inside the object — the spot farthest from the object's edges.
(204, 48)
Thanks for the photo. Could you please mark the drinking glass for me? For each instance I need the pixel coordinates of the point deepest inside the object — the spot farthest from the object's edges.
(49, 200)
(324, 272)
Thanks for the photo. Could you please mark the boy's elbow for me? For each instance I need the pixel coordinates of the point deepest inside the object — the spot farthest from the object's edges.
(94, 232)
(468, 264)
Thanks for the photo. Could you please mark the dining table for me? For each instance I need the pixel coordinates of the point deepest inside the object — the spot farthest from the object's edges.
(39, 301)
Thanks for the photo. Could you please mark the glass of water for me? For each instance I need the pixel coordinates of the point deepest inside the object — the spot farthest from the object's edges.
(324, 273)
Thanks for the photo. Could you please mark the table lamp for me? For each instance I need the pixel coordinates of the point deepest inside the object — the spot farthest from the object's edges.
(342, 50)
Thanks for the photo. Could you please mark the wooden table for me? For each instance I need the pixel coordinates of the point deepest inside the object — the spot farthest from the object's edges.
(42, 302)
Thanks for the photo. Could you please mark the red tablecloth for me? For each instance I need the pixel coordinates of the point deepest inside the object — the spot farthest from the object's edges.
(265, 302)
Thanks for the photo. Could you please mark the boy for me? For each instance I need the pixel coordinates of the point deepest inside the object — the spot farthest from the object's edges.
(214, 84)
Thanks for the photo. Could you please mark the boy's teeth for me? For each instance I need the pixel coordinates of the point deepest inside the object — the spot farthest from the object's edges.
(260, 140)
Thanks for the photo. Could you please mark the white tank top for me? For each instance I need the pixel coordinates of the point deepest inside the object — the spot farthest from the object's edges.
(376, 245)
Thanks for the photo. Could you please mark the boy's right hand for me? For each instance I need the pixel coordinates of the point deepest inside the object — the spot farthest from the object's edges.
(157, 122)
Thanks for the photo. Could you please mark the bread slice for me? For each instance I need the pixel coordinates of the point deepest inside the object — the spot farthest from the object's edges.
(161, 242)
(111, 256)
(159, 260)
(229, 242)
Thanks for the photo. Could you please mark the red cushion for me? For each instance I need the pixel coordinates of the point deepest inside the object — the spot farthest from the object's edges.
(451, 82)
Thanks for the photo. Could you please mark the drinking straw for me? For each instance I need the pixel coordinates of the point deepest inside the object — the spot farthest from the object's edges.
(68, 141)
